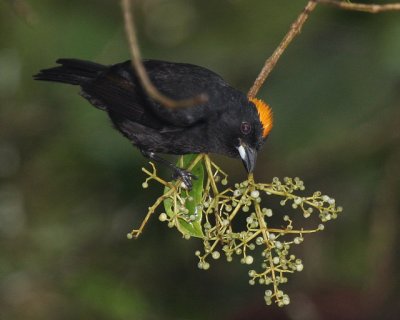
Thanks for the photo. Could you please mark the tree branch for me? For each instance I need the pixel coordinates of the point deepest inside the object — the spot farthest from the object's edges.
(298, 24)
(369, 8)
(270, 63)
(138, 66)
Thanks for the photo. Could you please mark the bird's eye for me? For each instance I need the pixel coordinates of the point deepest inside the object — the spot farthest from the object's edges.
(245, 127)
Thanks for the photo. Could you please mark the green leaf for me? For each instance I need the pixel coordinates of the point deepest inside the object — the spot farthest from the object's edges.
(192, 228)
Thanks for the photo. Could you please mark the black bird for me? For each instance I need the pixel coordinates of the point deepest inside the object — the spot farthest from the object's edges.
(228, 123)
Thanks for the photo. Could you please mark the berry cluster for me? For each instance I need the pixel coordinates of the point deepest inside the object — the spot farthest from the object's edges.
(233, 222)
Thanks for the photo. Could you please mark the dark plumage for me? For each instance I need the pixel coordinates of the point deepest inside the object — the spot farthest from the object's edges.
(228, 123)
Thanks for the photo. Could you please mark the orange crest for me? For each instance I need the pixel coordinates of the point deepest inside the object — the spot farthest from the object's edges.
(265, 114)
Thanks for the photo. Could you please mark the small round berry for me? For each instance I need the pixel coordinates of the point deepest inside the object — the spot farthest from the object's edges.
(299, 267)
(259, 241)
(298, 200)
(237, 193)
(255, 194)
(272, 236)
(296, 240)
(248, 260)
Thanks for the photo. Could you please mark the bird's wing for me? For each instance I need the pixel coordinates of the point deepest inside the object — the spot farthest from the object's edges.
(182, 81)
(119, 97)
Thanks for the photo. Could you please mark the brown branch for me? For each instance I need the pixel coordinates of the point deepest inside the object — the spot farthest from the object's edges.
(298, 24)
(273, 59)
(138, 66)
(370, 8)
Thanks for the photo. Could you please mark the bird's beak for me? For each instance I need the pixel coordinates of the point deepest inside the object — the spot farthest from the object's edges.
(249, 157)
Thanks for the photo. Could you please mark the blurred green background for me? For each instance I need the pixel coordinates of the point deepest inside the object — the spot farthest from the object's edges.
(70, 185)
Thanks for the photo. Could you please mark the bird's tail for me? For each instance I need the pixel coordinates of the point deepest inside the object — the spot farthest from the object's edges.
(71, 71)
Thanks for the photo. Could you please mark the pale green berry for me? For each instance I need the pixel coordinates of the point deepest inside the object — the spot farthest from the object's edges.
(328, 217)
(278, 245)
(254, 194)
(248, 260)
(285, 300)
(298, 200)
(299, 267)
(272, 236)
(252, 273)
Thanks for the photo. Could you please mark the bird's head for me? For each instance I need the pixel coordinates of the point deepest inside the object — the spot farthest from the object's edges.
(253, 128)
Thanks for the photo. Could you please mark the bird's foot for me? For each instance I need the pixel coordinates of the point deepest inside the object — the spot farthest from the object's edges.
(185, 176)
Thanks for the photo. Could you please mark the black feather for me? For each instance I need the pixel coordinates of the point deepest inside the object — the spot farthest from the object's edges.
(71, 71)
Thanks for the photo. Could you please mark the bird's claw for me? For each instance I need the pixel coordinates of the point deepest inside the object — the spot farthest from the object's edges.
(185, 176)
